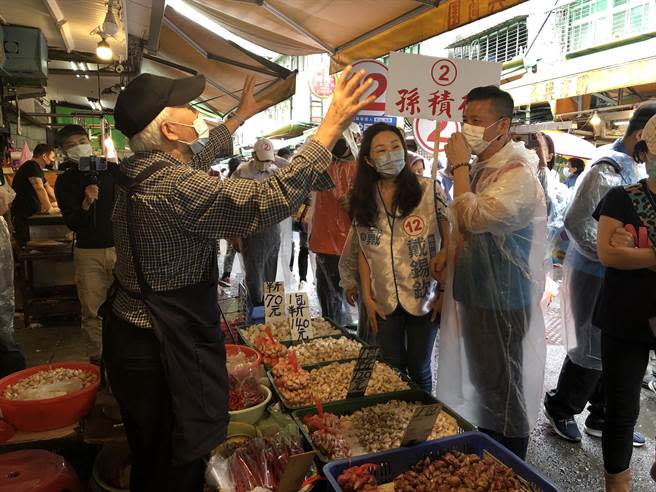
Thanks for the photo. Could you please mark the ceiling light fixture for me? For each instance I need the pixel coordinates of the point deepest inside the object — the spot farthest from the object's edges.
(110, 25)
(104, 51)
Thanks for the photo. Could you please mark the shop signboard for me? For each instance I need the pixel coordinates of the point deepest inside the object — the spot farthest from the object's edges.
(274, 301)
(322, 84)
(300, 323)
(365, 121)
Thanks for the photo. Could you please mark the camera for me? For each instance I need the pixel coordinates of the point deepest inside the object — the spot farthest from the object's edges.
(92, 165)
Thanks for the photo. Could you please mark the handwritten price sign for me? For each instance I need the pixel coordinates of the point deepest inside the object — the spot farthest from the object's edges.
(274, 301)
(434, 88)
(300, 324)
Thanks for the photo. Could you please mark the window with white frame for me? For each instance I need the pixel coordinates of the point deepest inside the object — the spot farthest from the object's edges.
(585, 24)
(500, 45)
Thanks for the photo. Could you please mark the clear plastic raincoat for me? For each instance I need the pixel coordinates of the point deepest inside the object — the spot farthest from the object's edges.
(492, 348)
(582, 272)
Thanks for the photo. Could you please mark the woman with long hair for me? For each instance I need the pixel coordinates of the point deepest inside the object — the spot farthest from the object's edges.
(626, 306)
(399, 223)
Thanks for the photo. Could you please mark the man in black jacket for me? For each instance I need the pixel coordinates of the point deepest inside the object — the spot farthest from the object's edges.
(86, 201)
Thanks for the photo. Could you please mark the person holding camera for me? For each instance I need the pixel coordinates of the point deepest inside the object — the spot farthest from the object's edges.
(86, 198)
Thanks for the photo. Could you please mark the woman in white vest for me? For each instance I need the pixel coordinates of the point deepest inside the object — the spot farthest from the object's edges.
(399, 220)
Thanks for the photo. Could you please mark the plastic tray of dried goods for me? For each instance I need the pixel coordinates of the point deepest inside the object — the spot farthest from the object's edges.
(397, 461)
(348, 407)
(338, 331)
(411, 386)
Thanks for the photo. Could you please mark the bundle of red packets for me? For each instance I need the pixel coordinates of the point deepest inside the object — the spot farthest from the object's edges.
(259, 463)
(245, 391)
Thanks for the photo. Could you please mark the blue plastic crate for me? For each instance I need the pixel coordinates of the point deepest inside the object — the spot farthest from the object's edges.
(397, 461)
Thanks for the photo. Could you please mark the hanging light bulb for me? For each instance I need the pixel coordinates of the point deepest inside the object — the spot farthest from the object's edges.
(110, 25)
(104, 51)
(595, 120)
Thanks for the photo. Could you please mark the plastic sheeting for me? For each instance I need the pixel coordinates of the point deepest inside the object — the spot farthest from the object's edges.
(492, 348)
(582, 272)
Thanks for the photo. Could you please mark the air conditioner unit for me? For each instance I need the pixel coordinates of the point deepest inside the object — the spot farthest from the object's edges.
(25, 55)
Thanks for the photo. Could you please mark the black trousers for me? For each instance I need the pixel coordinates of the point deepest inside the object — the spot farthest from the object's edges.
(136, 377)
(494, 348)
(331, 295)
(624, 364)
(576, 386)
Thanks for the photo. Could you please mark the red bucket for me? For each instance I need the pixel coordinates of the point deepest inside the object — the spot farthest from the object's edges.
(50, 413)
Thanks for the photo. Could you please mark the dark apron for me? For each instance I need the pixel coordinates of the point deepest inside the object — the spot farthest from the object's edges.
(186, 322)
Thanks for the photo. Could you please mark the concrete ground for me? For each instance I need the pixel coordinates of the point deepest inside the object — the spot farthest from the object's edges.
(572, 467)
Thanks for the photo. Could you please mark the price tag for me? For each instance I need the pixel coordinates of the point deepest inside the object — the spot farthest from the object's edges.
(362, 372)
(295, 471)
(421, 424)
(300, 323)
(274, 301)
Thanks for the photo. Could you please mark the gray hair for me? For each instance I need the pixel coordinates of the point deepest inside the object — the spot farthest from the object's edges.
(151, 137)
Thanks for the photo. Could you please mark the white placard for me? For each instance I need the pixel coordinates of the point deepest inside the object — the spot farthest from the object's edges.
(378, 72)
(434, 88)
(300, 324)
(274, 301)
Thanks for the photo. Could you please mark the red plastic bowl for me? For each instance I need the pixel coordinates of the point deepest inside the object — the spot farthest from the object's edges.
(51, 413)
(249, 352)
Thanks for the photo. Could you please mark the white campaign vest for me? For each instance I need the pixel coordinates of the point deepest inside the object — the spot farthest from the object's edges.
(399, 250)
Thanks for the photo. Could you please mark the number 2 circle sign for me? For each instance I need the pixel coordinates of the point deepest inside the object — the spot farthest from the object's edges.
(444, 72)
(376, 71)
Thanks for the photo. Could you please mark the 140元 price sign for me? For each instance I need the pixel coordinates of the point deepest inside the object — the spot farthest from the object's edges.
(300, 324)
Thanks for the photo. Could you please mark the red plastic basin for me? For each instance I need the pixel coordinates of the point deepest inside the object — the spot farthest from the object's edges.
(232, 350)
(50, 413)
(36, 470)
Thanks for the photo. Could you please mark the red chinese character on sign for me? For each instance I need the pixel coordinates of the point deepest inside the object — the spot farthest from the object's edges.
(440, 103)
(409, 101)
(463, 104)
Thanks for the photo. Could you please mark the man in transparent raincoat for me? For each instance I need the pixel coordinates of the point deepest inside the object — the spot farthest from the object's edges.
(492, 348)
(580, 376)
(11, 357)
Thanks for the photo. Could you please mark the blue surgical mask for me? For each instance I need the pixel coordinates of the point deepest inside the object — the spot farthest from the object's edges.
(390, 164)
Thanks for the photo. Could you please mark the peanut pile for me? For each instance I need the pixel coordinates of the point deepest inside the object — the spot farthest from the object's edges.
(50, 384)
(381, 427)
(330, 383)
(280, 330)
(325, 350)
(458, 472)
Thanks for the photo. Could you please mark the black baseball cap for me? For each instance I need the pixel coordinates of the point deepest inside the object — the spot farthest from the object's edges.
(147, 95)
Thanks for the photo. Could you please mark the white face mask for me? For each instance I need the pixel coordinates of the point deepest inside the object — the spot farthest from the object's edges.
(390, 164)
(81, 150)
(202, 132)
(566, 172)
(474, 136)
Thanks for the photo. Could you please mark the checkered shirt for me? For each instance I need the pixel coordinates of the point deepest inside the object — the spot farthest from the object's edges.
(180, 212)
